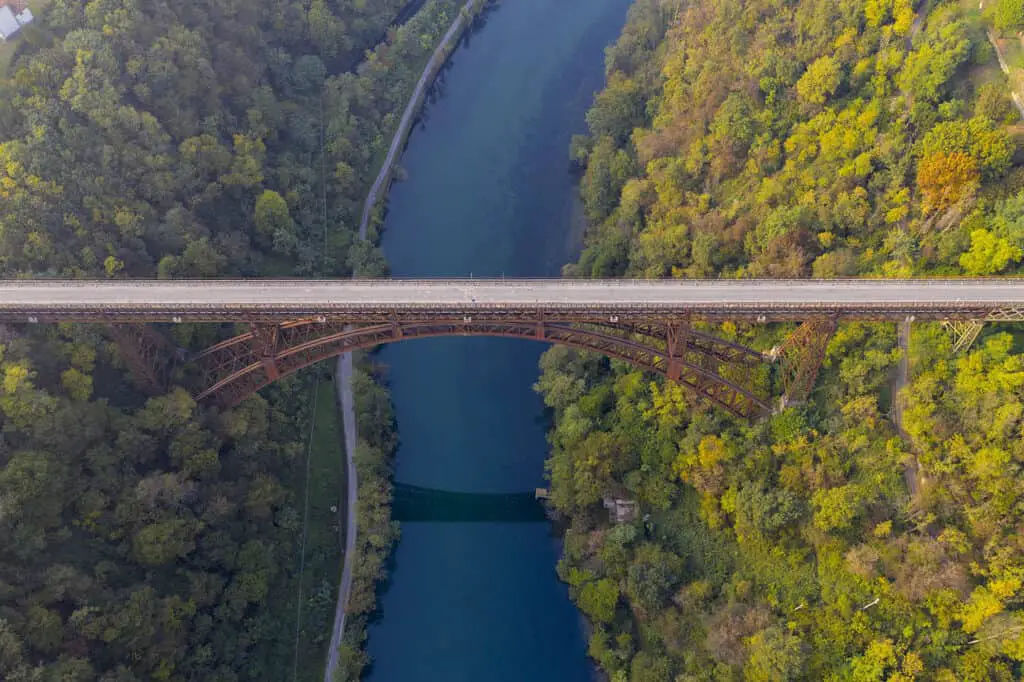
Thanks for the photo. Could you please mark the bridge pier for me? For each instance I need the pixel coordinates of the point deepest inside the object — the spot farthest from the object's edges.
(800, 357)
(964, 333)
(264, 341)
(676, 337)
(148, 355)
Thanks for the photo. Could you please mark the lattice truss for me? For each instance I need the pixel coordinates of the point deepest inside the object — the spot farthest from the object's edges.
(150, 357)
(716, 370)
(800, 357)
(721, 372)
(964, 332)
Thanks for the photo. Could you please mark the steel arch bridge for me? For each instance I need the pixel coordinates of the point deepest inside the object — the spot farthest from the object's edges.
(714, 369)
(648, 323)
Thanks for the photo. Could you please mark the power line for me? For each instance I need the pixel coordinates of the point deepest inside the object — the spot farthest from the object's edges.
(312, 419)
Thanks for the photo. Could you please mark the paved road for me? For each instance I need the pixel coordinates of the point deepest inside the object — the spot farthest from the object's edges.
(205, 300)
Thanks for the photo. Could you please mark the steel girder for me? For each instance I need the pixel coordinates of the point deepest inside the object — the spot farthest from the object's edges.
(965, 331)
(636, 314)
(236, 368)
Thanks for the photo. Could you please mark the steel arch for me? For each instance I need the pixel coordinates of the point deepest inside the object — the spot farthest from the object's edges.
(238, 367)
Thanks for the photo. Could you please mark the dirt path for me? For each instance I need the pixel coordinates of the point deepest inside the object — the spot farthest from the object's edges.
(348, 418)
(1017, 100)
(911, 468)
(344, 370)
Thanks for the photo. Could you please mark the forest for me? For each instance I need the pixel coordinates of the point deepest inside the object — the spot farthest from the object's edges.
(151, 538)
(869, 533)
(148, 537)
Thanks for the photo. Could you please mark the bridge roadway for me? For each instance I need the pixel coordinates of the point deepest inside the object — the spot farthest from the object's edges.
(369, 300)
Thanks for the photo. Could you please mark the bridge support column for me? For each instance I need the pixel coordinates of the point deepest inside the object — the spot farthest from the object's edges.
(676, 334)
(800, 357)
(147, 353)
(964, 332)
(264, 342)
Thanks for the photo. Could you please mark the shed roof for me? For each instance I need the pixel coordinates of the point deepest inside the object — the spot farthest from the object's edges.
(8, 24)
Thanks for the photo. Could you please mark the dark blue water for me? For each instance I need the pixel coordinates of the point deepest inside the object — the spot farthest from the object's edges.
(488, 193)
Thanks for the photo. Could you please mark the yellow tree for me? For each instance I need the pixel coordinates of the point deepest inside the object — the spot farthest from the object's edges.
(945, 179)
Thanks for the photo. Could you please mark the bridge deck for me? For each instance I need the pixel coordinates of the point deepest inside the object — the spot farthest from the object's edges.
(49, 300)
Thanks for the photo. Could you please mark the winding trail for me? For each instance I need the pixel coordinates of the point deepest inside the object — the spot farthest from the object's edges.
(348, 418)
(1005, 68)
(344, 370)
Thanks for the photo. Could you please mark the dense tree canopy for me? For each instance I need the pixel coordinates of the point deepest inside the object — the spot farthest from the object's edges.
(152, 138)
(791, 139)
(159, 540)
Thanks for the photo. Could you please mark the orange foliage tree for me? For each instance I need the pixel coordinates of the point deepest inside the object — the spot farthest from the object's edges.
(944, 179)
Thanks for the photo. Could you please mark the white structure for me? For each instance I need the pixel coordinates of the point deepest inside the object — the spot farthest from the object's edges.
(9, 25)
(25, 17)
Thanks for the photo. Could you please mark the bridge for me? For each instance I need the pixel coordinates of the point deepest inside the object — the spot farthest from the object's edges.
(649, 323)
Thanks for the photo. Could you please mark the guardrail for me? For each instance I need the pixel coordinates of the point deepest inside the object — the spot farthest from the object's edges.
(523, 282)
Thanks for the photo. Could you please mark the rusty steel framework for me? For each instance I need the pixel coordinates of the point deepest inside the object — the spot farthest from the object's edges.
(149, 355)
(964, 333)
(238, 367)
(800, 357)
(649, 323)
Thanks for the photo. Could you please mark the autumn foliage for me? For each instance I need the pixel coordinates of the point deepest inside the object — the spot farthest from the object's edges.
(946, 179)
(796, 139)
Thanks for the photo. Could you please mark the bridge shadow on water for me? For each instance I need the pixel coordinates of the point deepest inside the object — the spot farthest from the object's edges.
(413, 503)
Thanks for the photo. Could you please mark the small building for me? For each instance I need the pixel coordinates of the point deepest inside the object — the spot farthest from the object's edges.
(620, 510)
(25, 17)
(9, 25)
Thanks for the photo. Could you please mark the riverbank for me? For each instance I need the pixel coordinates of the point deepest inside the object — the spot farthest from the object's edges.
(430, 72)
(345, 369)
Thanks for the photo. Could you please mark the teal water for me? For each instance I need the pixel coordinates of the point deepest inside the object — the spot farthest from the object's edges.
(488, 194)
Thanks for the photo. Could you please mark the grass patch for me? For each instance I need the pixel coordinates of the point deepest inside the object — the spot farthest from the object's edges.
(324, 548)
(7, 50)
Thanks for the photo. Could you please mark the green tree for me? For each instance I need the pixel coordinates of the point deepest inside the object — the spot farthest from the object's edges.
(775, 656)
(928, 70)
(598, 599)
(993, 101)
(367, 261)
(608, 169)
(978, 137)
(1009, 14)
(989, 254)
(274, 222)
(617, 110)
(820, 81)
(836, 508)
(163, 542)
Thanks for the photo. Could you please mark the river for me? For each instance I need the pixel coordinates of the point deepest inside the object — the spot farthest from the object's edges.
(488, 194)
